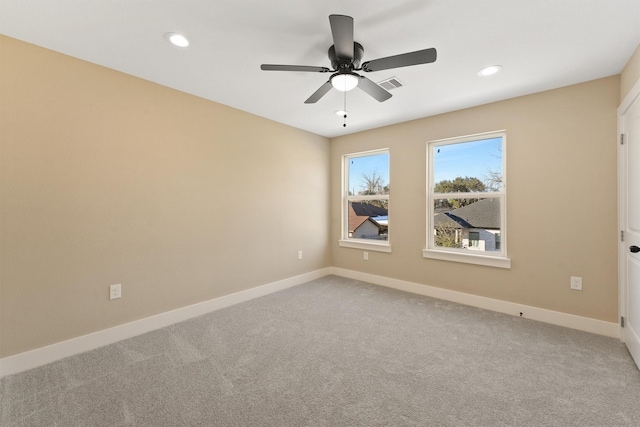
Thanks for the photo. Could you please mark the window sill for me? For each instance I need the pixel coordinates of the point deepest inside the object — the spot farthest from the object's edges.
(468, 258)
(368, 246)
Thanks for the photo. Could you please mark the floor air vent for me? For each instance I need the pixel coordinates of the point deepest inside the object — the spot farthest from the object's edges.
(390, 84)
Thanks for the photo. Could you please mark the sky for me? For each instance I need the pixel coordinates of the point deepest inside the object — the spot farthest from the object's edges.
(472, 159)
(366, 165)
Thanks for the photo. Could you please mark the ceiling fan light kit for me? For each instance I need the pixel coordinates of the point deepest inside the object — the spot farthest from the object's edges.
(345, 56)
(345, 81)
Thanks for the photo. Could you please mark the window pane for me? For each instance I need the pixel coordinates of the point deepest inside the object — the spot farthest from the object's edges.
(366, 198)
(472, 224)
(369, 175)
(369, 220)
(468, 166)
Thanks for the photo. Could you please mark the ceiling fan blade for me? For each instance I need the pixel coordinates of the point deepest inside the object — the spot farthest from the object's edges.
(319, 93)
(373, 89)
(342, 31)
(272, 67)
(403, 60)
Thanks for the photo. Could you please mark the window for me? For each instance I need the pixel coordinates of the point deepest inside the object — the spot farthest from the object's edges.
(466, 199)
(474, 238)
(365, 207)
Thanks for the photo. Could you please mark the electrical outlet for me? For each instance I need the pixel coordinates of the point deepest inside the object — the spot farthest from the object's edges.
(299, 254)
(365, 256)
(576, 283)
(115, 291)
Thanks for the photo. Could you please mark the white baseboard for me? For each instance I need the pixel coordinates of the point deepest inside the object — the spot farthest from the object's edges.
(43, 355)
(585, 324)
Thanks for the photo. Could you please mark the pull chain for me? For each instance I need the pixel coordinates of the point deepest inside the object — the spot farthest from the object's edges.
(344, 123)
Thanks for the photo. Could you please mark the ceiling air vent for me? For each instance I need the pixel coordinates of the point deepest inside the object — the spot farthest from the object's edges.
(390, 84)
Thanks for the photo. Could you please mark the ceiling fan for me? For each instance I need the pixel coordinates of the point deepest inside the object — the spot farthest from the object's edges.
(345, 56)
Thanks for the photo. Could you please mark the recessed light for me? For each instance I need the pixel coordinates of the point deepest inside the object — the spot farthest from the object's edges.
(489, 71)
(177, 39)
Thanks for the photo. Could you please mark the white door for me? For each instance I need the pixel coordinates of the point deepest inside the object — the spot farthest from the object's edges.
(629, 252)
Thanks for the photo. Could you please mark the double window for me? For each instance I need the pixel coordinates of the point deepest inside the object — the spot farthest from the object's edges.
(365, 206)
(466, 199)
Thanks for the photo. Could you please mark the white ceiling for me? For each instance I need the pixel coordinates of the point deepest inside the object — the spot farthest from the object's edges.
(541, 44)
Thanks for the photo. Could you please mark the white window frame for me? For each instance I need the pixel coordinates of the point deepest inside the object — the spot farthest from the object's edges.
(432, 251)
(350, 242)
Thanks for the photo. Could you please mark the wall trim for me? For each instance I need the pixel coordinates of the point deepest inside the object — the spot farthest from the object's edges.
(586, 324)
(41, 356)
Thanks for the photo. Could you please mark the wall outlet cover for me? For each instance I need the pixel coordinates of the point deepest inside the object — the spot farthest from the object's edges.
(576, 283)
(115, 291)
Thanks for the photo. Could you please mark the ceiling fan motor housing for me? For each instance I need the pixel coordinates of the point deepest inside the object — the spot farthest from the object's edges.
(347, 64)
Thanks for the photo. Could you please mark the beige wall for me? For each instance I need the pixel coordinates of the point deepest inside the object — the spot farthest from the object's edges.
(106, 178)
(630, 74)
(561, 202)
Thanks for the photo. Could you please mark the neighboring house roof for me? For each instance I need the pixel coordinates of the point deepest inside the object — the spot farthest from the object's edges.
(483, 214)
(355, 221)
(366, 209)
(360, 212)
